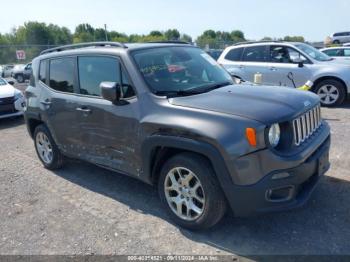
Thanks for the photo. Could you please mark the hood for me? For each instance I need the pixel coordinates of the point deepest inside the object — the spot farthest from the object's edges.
(265, 104)
(7, 91)
(18, 69)
(339, 61)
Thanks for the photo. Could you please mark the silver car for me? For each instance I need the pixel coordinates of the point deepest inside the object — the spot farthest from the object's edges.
(291, 65)
(341, 52)
(340, 37)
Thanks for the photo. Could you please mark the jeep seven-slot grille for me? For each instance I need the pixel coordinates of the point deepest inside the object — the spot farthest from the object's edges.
(305, 125)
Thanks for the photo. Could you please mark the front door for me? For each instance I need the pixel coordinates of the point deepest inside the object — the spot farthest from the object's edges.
(108, 131)
(283, 71)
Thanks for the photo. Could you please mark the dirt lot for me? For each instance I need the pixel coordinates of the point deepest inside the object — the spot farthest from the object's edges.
(83, 209)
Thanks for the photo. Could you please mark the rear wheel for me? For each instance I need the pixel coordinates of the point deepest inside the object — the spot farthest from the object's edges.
(46, 148)
(20, 78)
(190, 192)
(331, 92)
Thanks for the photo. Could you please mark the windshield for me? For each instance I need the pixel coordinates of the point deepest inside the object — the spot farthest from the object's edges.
(313, 52)
(179, 69)
(2, 82)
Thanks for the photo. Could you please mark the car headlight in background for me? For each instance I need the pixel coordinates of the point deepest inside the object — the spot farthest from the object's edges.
(18, 95)
(274, 135)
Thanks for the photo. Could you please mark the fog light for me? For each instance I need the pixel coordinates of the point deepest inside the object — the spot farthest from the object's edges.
(280, 175)
(280, 194)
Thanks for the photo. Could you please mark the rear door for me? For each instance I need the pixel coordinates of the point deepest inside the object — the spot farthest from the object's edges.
(254, 60)
(232, 62)
(108, 131)
(58, 102)
(282, 70)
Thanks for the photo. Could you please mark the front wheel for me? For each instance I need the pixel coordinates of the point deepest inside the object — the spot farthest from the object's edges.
(190, 192)
(331, 92)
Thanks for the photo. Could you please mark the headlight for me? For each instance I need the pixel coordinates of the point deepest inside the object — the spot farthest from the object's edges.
(274, 135)
(18, 95)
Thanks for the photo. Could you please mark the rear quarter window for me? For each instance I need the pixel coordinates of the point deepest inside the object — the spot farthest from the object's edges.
(42, 71)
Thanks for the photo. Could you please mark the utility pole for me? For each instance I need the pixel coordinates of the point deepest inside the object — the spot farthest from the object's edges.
(106, 33)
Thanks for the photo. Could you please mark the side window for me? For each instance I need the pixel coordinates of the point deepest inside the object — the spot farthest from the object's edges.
(279, 54)
(94, 70)
(346, 52)
(234, 54)
(42, 71)
(62, 74)
(294, 55)
(254, 54)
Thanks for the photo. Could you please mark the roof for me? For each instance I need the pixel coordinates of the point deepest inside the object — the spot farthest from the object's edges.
(129, 46)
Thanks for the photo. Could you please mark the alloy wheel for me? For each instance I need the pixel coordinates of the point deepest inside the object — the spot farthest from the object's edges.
(184, 193)
(44, 147)
(328, 94)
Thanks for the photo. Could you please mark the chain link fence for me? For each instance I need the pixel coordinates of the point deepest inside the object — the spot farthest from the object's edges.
(12, 54)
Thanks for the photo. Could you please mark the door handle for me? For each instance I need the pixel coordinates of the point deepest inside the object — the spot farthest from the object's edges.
(46, 103)
(84, 110)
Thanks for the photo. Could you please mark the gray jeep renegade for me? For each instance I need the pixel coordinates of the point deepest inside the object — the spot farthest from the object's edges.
(169, 115)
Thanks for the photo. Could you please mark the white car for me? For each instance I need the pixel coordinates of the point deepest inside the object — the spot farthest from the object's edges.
(11, 100)
(339, 53)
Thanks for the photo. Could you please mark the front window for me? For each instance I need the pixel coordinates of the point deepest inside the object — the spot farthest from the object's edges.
(179, 70)
(313, 52)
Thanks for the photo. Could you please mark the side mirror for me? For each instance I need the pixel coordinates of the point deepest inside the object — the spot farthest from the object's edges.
(298, 61)
(11, 82)
(110, 91)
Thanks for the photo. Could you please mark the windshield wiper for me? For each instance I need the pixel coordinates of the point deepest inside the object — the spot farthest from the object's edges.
(194, 90)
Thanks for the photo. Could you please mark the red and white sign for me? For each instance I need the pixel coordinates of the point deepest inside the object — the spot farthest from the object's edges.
(21, 55)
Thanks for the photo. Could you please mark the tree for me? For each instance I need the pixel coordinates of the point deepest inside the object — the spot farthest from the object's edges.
(266, 38)
(219, 39)
(156, 33)
(172, 34)
(186, 38)
(294, 38)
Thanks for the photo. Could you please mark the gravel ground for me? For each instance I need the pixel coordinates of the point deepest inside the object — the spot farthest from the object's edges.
(83, 209)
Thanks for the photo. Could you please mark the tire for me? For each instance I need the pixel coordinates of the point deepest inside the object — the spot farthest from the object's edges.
(55, 159)
(205, 214)
(331, 92)
(20, 78)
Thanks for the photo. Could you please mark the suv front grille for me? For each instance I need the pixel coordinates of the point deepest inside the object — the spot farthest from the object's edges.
(7, 100)
(305, 125)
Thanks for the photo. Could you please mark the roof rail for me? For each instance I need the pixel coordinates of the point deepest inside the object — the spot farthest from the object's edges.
(257, 42)
(170, 42)
(81, 45)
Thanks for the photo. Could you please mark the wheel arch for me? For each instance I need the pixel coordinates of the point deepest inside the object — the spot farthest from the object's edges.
(32, 123)
(158, 148)
(323, 78)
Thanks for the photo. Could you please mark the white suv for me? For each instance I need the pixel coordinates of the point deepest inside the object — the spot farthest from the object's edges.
(289, 64)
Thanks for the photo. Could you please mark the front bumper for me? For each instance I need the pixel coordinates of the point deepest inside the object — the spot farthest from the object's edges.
(282, 189)
(12, 110)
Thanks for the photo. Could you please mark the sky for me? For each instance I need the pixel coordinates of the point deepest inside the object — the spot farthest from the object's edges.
(313, 19)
